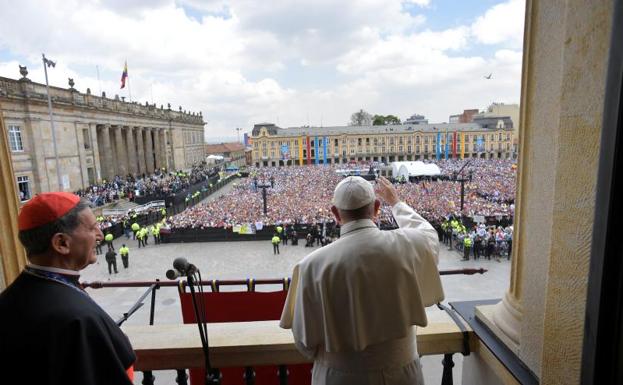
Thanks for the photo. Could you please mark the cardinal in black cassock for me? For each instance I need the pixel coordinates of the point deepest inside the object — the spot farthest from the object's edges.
(51, 331)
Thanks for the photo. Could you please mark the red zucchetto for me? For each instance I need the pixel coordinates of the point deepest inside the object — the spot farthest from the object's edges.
(45, 208)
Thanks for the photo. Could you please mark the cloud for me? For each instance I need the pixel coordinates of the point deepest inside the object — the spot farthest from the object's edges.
(501, 23)
(293, 63)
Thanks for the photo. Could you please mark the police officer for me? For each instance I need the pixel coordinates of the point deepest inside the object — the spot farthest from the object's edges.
(135, 228)
(275, 242)
(155, 231)
(139, 237)
(108, 238)
(124, 251)
(111, 259)
(467, 246)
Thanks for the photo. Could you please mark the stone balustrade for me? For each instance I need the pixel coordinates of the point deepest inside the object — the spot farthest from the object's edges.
(244, 344)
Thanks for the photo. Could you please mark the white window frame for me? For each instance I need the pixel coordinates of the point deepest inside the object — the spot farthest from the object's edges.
(16, 144)
(24, 179)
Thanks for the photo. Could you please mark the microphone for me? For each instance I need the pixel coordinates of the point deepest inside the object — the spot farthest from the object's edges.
(182, 266)
(172, 274)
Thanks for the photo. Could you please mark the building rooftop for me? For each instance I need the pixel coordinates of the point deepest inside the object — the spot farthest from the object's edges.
(343, 130)
(221, 148)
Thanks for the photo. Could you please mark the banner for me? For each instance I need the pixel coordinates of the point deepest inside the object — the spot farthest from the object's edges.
(285, 151)
(480, 144)
(462, 145)
(308, 151)
(300, 151)
(316, 155)
(245, 228)
(325, 142)
(438, 146)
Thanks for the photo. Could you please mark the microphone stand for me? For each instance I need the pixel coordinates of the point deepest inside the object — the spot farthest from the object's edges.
(211, 377)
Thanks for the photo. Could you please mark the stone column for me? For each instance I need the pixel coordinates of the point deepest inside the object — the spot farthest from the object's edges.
(163, 149)
(132, 159)
(140, 146)
(541, 317)
(122, 162)
(149, 151)
(106, 154)
(157, 149)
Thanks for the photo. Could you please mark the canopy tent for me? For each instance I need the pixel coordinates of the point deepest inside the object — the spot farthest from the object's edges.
(414, 169)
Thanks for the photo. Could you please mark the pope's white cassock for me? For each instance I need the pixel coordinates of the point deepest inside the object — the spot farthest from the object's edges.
(353, 304)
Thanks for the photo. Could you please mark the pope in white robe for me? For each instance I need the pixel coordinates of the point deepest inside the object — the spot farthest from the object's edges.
(353, 305)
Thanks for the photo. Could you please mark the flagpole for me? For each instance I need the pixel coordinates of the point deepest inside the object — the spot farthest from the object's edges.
(47, 88)
(128, 76)
(129, 89)
(97, 68)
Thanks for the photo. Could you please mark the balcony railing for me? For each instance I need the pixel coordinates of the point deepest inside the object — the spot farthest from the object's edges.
(248, 344)
(257, 343)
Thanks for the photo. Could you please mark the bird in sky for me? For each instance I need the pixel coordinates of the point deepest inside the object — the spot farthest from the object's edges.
(488, 76)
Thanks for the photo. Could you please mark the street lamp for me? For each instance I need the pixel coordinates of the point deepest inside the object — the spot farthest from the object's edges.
(49, 63)
(463, 179)
(264, 187)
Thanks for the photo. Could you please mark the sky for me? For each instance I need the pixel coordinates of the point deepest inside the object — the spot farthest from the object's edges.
(292, 63)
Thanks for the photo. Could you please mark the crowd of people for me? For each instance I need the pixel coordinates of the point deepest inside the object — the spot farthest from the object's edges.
(160, 184)
(477, 240)
(302, 194)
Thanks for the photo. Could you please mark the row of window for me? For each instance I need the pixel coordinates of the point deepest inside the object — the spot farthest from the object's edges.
(193, 137)
(426, 148)
(16, 143)
(390, 141)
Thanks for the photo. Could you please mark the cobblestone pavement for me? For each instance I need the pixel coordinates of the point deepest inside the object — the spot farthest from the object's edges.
(255, 259)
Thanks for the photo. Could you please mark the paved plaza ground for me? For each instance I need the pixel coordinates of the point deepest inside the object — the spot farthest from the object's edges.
(255, 259)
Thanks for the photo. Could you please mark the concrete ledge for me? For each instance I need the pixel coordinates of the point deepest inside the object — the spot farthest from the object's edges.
(249, 343)
(485, 314)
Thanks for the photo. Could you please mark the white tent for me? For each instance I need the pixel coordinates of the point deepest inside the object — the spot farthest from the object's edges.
(417, 168)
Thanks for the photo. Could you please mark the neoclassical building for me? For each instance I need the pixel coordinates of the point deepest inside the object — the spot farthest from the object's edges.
(94, 138)
(275, 146)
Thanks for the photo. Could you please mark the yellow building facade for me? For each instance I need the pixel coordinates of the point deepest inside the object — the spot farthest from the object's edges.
(275, 146)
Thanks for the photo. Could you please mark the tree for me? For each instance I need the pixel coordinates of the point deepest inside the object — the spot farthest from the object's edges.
(380, 120)
(361, 118)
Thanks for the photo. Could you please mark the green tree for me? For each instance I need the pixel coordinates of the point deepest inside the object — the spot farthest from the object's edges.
(380, 120)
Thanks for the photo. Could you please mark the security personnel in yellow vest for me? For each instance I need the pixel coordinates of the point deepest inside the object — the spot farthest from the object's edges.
(146, 232)
(275, 242)
(135, 229)
(124, 251)
(108, 238)
(155, 231)
(140, 235)
(467, 247)
(163, 211)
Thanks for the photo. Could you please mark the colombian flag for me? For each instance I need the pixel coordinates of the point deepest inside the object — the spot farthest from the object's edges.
(124, 75)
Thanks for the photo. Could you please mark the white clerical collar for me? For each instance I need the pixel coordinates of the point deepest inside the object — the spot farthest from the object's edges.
(54, 270)
(355, 225)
